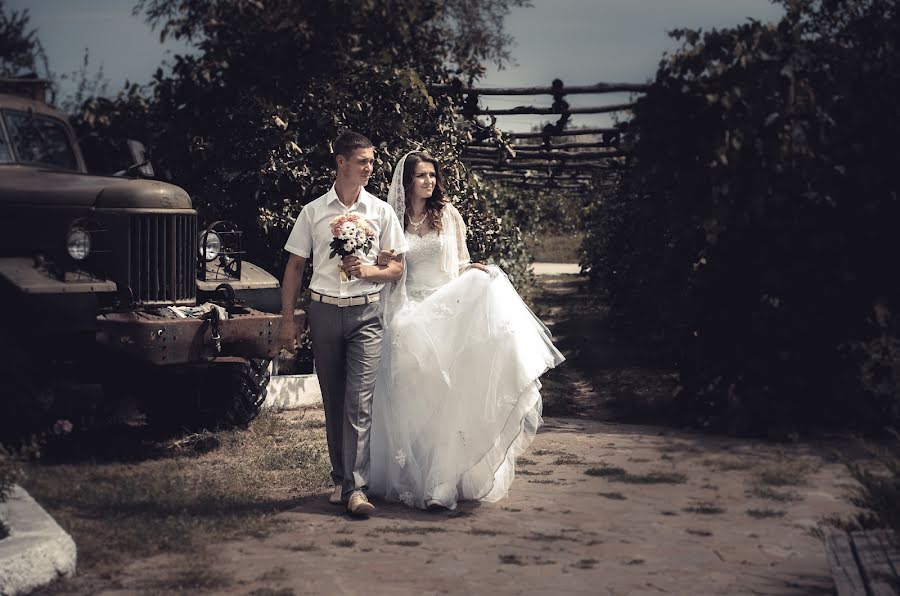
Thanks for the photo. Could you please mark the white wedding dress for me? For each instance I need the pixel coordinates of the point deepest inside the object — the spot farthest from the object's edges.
(457, 398)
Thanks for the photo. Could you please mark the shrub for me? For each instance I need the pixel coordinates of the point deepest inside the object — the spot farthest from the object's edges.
(754, 235)
(10, 474)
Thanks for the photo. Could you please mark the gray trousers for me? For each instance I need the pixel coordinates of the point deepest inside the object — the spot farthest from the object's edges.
(346, 346)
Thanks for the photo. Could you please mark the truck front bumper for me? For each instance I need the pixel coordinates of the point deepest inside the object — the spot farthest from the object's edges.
(160, 340)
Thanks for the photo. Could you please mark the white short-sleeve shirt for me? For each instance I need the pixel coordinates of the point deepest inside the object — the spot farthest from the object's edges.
(311, 236)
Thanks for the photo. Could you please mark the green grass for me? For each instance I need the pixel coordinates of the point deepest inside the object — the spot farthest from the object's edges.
(164, 497)
(194, 574)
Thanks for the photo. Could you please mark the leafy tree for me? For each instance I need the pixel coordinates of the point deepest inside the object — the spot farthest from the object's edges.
(21, 52)
(755, 234)
(244, 123)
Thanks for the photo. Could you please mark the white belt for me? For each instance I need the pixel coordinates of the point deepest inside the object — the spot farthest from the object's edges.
(346, 301)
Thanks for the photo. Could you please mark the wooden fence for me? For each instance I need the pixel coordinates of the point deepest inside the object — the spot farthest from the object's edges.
(555, 156)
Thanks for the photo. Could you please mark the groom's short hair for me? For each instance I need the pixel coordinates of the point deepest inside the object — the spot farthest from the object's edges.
(349, 142)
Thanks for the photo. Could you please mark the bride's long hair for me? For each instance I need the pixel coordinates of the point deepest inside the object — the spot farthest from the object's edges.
(434, 205)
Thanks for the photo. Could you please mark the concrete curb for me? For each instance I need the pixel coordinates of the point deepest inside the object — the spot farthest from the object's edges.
(37, 551)
(291, 392)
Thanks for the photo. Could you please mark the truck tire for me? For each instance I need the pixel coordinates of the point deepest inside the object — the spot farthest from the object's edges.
(233, 394)
(220, 396)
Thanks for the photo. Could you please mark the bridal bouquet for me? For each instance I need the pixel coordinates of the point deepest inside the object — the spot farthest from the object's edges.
(351, 233)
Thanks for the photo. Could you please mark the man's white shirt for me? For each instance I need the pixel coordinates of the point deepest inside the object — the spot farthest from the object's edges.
(311, 235)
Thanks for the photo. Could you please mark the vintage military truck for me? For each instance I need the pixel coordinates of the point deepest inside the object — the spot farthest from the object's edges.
(108, 280)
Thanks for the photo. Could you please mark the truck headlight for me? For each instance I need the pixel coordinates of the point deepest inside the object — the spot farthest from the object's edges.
(78, 244)
(210, 246)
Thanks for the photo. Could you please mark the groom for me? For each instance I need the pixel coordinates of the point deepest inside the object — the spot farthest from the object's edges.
(345, 320)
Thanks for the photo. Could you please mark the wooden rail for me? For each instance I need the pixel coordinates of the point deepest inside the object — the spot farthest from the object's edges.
(552, 90)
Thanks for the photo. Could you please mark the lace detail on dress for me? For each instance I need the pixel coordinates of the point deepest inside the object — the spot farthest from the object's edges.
(395, 340)
(507, 327)
(441, 311)
(423, 265)
(400, 458)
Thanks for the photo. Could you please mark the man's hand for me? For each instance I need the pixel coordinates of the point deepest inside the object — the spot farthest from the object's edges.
(288, 335)
(390, 271)
(290, 287)
(354, 267)
(480, 267)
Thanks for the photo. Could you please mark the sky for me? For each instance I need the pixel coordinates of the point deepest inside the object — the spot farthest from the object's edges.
(580, 42)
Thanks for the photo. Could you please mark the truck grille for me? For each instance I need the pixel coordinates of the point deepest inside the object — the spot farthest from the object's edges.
(162, 264)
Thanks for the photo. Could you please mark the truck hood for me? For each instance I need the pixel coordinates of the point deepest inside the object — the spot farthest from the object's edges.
(29, 186)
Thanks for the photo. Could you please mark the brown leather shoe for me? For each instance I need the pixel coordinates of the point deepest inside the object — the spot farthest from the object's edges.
(358, 504)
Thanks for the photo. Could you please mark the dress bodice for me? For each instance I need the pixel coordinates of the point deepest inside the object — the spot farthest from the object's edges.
(423, 265)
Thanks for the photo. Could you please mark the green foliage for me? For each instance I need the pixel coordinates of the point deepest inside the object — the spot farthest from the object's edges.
(755, 235)
(21, 52)
(879, 486)
(245, 123)
(10, 473)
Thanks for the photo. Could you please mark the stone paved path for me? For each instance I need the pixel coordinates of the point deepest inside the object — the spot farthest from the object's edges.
(710, 526)
(596, 508)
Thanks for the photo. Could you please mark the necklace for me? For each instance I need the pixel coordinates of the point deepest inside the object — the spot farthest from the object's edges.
(417, 224)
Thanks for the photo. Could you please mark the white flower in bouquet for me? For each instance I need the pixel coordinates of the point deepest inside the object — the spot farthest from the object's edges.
(348, 231)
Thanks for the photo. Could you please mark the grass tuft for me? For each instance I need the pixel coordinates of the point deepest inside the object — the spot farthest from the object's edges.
(585, 564)
(343, 542)
(764, 513)
(767, 492)
(568, 459)
(404, 542)
(704, 509)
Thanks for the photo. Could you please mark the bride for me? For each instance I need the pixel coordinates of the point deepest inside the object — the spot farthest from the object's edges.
(457, 396)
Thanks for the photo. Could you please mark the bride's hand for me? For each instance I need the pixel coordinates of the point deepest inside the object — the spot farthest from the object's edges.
(480, 267)
(385, 257)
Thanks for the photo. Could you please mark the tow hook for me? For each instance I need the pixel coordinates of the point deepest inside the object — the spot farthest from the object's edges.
(216, 336)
